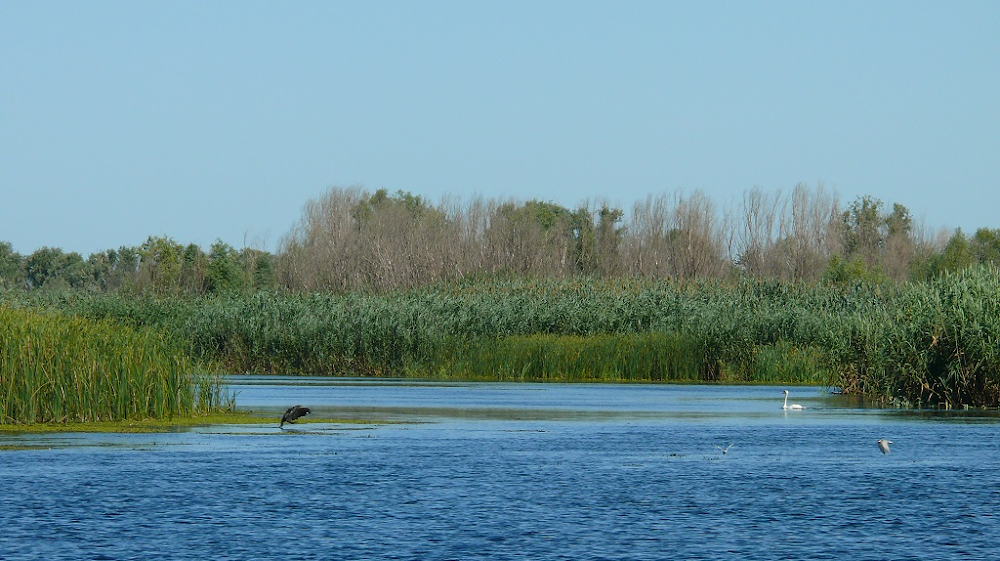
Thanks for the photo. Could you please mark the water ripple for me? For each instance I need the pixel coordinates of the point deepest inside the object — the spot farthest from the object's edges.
(640, 488)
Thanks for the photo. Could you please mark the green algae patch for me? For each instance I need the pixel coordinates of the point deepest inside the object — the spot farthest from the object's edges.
(172, 425)
(140, 426)
(9, 447)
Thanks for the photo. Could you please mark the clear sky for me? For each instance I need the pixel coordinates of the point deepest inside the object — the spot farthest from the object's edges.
(220, 120)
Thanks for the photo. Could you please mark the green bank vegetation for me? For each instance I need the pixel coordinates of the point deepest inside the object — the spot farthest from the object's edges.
(782, 288)
(932, 343)
(55, 368)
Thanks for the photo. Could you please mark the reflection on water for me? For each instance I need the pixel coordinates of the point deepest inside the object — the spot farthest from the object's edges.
(514, 471)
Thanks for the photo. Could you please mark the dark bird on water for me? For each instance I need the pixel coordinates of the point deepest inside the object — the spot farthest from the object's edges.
(294, 412)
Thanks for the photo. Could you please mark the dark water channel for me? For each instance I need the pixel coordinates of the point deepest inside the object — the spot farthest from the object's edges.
(525, 471)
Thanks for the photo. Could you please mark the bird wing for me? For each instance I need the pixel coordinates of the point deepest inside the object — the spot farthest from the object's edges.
(294, 412)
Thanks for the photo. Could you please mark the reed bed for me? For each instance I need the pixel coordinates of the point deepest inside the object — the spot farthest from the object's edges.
(55, 368)
(933, 343)
(607, 358)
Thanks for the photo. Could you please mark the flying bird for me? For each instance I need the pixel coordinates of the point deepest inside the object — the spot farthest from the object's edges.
(786, 406)
(883, 445)
(726, 449)
(294, 412)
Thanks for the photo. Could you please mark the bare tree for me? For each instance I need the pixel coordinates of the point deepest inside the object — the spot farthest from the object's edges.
(696, 248)
(761, 228)
(813, 231)
(317, 254)
(674, 235)
(646, 244)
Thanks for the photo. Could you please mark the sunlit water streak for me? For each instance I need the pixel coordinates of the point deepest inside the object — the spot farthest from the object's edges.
(515, 472)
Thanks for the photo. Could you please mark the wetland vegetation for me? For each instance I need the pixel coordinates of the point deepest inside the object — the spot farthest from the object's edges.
(928, 343)
(796, 291)
(59, 368)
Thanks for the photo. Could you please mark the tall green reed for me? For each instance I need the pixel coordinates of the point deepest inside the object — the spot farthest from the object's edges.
(60, 368)
(927, 343)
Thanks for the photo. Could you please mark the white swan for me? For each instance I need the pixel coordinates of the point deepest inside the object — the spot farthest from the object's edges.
(786, 406)
(883, 445)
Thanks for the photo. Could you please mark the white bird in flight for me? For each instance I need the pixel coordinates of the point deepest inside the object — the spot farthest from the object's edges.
(786, 406)
(726, 449)
(883, 445)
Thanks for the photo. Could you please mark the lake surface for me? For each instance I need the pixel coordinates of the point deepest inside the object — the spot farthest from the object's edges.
(515, 471)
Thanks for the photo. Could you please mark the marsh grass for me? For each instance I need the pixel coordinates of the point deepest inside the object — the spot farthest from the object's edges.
(933, 343)
(574, 358)
(57, 368)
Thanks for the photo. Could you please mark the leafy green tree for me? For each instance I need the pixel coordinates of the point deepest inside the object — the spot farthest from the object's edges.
(585, 247)
(985, 246)
(258, 268)
(899, 250)
(536, 237)
(194, 269)
(549, 216)
(160, 265)
(54, 269)
(75, 270)
(41, 266)
(882, 241)
(851, 271)
(862, 229)
(102, 269)
(224, 271)
(11, 266)
(381, 201)
(956, 256)
(585, 252)
(113, 270)
(899, 223)
(127, 261)
(609, 238)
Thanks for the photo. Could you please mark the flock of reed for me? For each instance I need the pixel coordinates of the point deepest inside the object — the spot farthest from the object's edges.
(57, 368)
(933, 343)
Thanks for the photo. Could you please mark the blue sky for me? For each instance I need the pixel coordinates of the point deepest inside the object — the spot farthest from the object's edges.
(220, 120)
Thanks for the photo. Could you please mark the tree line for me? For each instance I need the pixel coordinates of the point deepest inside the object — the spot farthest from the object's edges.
(159, 266)
(350, 239)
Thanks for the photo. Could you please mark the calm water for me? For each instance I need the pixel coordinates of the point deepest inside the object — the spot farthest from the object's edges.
(495, 471)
